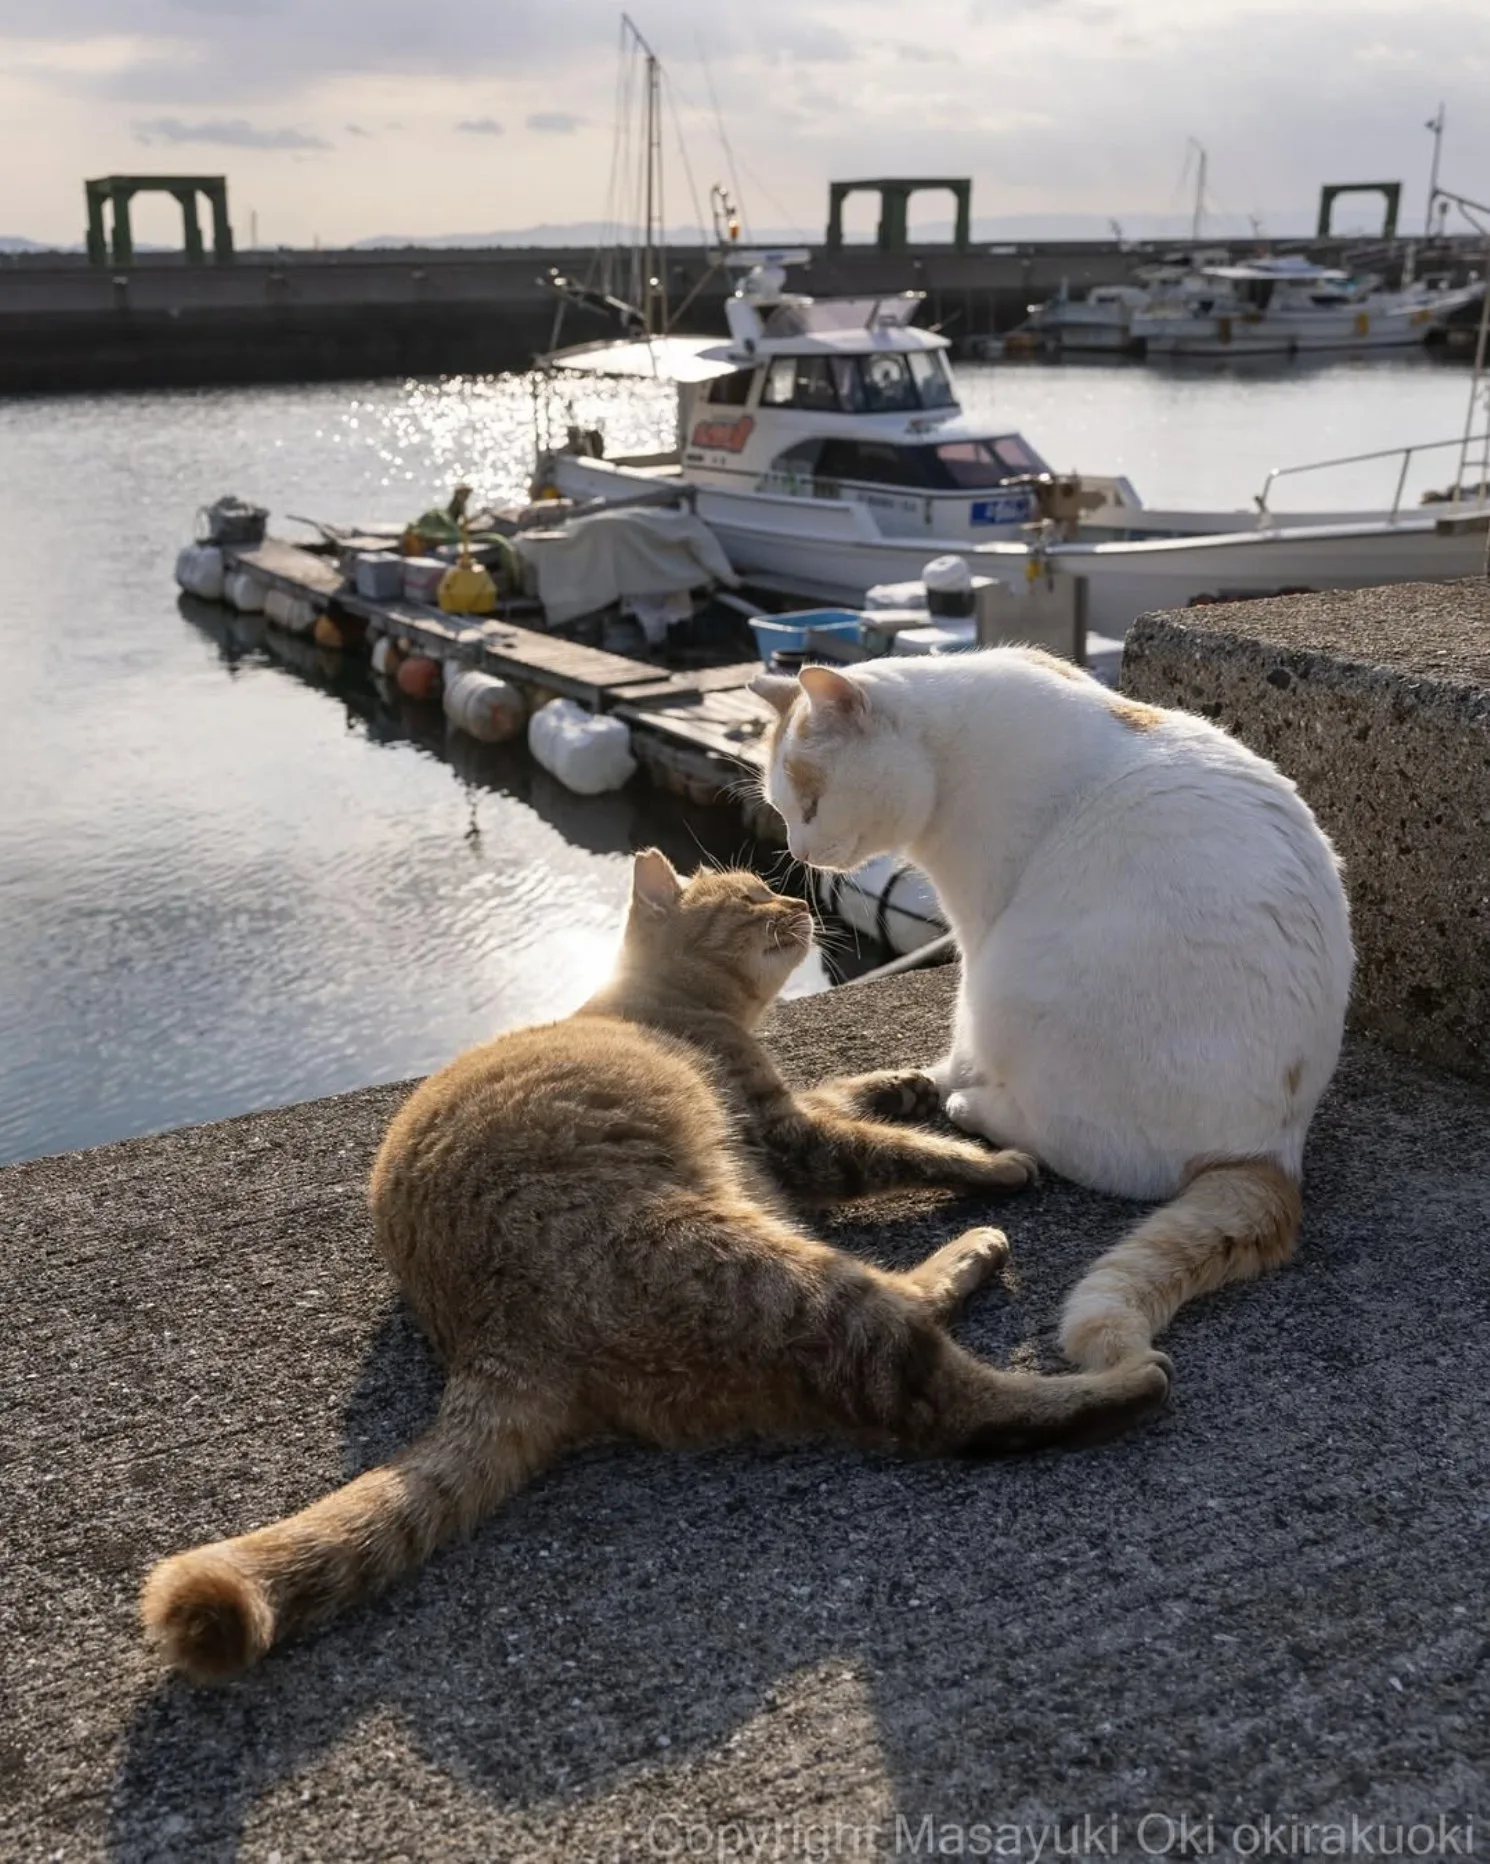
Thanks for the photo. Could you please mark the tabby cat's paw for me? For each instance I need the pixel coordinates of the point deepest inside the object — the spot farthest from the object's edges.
(958, 1269)
(975, 1257)
(908, 1095)
(1014, 1170)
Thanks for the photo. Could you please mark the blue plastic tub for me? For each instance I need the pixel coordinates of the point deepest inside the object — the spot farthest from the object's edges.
(787, 634)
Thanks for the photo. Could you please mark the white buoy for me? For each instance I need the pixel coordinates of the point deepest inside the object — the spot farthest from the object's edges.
(243, 590)
(587, 753)
(481, 705)
(887, 900)
(290, 612)
(199, 571)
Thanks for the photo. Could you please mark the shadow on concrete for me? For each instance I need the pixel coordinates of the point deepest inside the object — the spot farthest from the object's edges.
(625, 1590)
(1269, 1598)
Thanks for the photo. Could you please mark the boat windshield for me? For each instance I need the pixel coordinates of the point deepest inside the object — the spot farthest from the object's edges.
(807, 316)
(882, 383)
(954, 466)
(973, 463)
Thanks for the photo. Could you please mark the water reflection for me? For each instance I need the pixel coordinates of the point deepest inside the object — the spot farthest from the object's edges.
(234, 874)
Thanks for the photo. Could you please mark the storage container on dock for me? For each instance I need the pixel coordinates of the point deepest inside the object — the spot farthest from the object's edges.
(787, 634)
(422, 579)
(482, 705)
(588, 754)
(379, 577)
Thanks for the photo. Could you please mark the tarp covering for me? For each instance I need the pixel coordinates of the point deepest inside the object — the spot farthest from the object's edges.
(642, 551)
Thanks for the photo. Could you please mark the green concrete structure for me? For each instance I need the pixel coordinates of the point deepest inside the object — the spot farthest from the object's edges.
(895, 195)
(119, 190)
(1390, 191)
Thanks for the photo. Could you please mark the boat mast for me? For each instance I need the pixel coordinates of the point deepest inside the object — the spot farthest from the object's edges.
(1434, 123)
(654, 229)
(1199, 215)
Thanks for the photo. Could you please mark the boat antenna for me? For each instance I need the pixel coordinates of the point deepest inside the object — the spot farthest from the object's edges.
(1198, 217)
(1435, 124)
(737, 193)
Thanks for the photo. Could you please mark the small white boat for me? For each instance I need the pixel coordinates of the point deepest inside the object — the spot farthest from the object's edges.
(1287, 307)
(1102, 322)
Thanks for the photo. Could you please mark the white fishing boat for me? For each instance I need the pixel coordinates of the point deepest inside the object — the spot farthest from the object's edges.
(823, 443)
(1101, 322)
(1286, 307)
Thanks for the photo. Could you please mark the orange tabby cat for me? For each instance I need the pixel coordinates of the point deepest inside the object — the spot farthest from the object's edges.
(590, 1221)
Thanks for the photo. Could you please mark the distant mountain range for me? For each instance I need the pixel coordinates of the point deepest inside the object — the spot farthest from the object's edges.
(1292, 223)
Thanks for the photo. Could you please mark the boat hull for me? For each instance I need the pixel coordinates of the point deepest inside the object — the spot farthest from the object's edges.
(831, 549)
(1284, 336)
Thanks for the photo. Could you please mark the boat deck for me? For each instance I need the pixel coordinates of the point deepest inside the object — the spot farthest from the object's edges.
(698, 733)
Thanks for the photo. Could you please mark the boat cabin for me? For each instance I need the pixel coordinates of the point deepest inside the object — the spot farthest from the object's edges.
(838, 399)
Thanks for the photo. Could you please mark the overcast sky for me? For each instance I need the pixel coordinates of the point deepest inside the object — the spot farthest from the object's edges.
(345, 119)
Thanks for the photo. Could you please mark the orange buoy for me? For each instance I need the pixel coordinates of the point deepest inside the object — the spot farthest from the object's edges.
(419, 677)
(327, 634)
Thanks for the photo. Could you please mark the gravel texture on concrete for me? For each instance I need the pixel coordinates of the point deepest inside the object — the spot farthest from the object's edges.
(1377, 703)
(1269, 1604)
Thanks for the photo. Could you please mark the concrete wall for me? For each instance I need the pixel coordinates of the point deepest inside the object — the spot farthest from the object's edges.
(1377, 703)
(289, 316)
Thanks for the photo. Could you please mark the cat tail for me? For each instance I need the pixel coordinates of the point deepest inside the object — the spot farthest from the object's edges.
(217, 1609)
(1232, 1220)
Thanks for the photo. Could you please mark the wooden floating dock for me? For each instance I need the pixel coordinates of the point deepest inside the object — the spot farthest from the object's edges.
(699, 734)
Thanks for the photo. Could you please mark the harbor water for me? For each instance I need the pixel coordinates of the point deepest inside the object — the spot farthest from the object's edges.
(229, 881)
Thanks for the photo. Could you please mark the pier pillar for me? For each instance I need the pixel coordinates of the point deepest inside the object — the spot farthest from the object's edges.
(895, 194)
(1390, 191)
(119, 190)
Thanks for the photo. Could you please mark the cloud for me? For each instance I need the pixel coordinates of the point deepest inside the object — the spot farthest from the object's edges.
(228, 133)
(480, 126)
(923, 54)
(356, 129)
(555, 122)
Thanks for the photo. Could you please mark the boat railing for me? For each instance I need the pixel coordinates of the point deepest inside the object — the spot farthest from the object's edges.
(1462, 442)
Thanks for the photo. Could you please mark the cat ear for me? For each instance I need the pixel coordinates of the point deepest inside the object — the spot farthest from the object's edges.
(654, 882)
(833, 695)
(776, 689)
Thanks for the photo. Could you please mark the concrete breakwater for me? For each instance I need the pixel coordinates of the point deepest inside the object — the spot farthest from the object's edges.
(1260, 1617)
(325, 316)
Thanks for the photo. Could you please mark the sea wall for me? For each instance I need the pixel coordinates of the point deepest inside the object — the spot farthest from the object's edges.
(1377, 703)
(300, 316)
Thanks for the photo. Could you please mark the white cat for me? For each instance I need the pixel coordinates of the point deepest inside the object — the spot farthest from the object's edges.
(1155, 944)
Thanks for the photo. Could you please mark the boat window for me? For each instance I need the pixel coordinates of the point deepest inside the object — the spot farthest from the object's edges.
(933, 379)
(730, 391)
(846, 381)
(814, 386)
(888, 388)
(822, 383)
(971, 464)
(872, 462)
(795, 469)
(781, 382)
(1016, 455)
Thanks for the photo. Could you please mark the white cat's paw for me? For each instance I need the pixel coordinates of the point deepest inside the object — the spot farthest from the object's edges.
(961, 1108)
